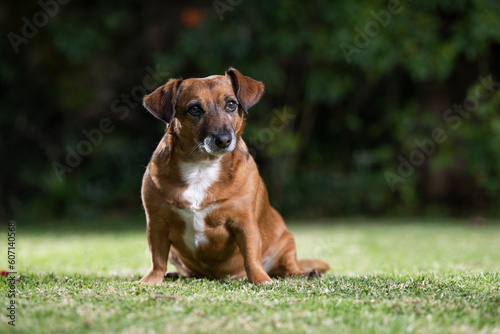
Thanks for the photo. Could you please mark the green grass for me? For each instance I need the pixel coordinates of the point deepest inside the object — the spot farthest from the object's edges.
(387, 277)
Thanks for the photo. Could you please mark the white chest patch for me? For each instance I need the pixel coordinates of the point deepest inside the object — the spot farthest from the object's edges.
(199, 177)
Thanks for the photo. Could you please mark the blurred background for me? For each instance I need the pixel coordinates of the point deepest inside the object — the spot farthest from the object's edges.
(372, 108)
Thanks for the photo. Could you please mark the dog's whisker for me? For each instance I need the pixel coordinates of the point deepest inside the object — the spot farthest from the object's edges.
(194, 148)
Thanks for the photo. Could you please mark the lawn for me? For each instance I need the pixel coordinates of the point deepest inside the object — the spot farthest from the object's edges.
(387, 277)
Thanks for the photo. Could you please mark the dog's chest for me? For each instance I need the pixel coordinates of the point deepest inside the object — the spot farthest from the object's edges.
(198, 177)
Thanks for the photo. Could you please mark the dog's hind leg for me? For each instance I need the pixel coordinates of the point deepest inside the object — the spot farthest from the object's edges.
(286, 263)
(314, 264)
(289, 266)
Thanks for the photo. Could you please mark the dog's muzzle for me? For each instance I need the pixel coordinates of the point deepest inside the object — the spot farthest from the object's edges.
(219, 143)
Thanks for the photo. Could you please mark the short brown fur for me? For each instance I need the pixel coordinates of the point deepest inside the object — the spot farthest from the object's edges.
(243, 229)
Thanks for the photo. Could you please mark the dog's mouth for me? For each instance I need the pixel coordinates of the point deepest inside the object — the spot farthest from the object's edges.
(218, 145)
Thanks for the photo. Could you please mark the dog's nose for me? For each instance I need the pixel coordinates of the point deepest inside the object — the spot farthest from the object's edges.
(223, 139)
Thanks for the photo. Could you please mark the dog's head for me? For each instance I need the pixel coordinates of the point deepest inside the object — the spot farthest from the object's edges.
(206, 114)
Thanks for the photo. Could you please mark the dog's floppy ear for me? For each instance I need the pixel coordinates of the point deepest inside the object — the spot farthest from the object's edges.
(248, 91)
(161, 102)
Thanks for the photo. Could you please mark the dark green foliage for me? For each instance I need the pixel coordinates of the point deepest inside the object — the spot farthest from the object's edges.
(350, 119)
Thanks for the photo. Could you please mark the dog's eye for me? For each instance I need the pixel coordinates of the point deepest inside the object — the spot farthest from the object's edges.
(231, 106)
(195, 111)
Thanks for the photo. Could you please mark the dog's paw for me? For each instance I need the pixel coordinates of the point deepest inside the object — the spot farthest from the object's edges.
(152, 278)
(314, 274)
(308, 274)
(172, 276)
(264, 280)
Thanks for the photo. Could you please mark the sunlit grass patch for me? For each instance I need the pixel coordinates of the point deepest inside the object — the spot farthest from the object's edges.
(385, 277)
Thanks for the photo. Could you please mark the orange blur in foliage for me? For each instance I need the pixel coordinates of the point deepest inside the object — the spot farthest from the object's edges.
(192, 17)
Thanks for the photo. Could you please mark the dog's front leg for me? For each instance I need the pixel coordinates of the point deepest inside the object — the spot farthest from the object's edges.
(159, 247)
(249, 242)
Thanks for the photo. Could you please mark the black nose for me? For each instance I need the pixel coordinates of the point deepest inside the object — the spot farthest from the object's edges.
(223, 139)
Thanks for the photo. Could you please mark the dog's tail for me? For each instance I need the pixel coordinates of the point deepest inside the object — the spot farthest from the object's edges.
(310, 264)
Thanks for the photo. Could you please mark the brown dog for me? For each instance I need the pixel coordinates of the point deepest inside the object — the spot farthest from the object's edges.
(207, 207)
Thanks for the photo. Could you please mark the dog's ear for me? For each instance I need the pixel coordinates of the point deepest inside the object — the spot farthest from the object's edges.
(248, 91)
(161, 103)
